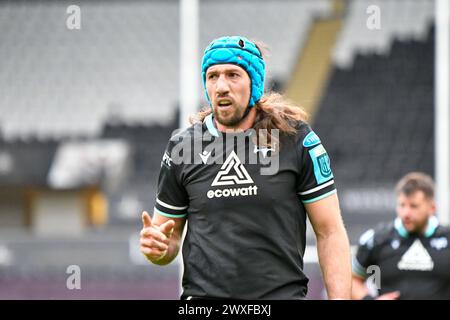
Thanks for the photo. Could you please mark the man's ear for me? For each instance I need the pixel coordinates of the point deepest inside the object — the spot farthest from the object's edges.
(433, 207)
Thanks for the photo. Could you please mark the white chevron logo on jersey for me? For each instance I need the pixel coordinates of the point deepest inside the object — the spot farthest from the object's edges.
(232, 172)
(416, 258)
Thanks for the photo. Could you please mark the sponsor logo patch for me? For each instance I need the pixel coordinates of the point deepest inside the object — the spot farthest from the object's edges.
(311, 139)
(167, 160)
(439, 243)
(395, 244)
(263, 150)
(232, 173)
(204, 156)
(416, 258)
(321, 163)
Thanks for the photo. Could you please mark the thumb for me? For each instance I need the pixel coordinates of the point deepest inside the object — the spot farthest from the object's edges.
(146, 219)
(389, 296)
(167, 228)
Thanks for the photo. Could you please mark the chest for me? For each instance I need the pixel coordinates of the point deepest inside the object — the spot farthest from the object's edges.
(241, 177)
(424, 257)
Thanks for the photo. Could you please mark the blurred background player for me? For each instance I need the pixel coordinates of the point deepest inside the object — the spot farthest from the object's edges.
(243, 244)
(412, 252)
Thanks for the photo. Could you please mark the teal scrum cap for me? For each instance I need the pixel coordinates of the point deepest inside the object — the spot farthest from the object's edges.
(239, 51)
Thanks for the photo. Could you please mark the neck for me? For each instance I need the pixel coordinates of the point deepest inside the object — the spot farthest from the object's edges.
(423, 229)
(427, 230)
(245, 124)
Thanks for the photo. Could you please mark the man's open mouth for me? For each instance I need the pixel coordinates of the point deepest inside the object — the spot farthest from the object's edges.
(224, 103)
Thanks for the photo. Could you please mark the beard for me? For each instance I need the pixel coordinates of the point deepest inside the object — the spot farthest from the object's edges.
(230, 118)
(416, 226)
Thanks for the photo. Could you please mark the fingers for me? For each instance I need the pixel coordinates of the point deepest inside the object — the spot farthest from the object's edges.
(389, 296)
(153, 249)
(153, 254)
(167, 228)
(153, 233)
(146, 220)
(395, 294)
(153, 244)
(154, 240)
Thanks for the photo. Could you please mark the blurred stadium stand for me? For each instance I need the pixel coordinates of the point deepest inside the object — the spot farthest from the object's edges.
(123, 62)
(402, 20)
(116, 80)
(377, 112)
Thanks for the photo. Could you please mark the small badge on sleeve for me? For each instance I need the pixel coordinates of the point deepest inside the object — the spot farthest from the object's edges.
(311, 139)
(321, 163)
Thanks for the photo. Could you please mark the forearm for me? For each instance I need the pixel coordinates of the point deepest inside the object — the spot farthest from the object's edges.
(334, 258)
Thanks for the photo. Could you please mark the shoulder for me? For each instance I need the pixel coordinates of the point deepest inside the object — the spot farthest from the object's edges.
(185, 136)
(376, 236)
(305, 136)
(302, 127)
(178, 148)
(442, 231)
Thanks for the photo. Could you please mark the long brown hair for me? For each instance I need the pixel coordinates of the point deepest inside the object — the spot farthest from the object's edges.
(273, 112)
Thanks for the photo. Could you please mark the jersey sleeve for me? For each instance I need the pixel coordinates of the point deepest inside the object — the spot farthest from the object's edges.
(363, 257)
(316, 180)
(171, 200)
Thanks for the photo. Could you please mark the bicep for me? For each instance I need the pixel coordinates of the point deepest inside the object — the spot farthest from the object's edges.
(325, 215)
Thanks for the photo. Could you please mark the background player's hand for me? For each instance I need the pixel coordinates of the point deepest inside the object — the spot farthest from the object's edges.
(154, 240)
(389, 296)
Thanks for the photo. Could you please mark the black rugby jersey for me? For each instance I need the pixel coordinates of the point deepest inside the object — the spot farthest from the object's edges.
(416, 265)
(246, 229)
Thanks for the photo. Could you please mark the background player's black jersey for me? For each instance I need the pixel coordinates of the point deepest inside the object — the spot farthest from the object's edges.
(416, 265)
(246, 231)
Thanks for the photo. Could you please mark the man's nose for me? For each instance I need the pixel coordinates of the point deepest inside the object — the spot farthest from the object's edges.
(222, 85)
(406, 212)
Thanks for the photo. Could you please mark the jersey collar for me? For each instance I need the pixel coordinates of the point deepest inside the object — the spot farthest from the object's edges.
(432, 225)
(210, 125)
(212, 129)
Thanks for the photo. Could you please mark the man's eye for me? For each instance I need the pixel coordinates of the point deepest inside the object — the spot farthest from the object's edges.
(211, 76)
